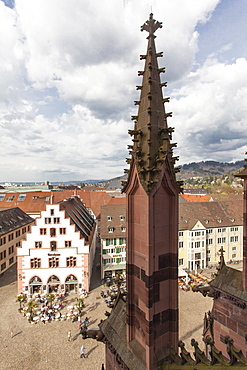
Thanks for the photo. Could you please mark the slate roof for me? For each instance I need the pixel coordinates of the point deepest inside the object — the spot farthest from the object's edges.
(114, 329)
(79, 216)
(230, 281)
(210, 214)
(12, 219)
(195, 191)
(114, 211)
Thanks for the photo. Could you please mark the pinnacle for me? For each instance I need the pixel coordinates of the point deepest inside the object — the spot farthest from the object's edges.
(151, 136)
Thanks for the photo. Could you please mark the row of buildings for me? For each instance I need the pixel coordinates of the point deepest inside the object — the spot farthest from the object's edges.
(52, 240)
(204, 227)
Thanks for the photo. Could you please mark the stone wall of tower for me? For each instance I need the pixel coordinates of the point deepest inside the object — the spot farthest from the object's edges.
(231, 320)
(152, 306)
(245, 237)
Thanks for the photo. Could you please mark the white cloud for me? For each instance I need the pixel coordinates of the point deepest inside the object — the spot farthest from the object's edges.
(210, 112)
(69, 73)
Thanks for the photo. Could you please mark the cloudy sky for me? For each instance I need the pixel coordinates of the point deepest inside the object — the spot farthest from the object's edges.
(68, 71)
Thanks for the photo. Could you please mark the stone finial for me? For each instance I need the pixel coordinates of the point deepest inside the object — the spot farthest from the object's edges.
(222, 260)
(151, 25)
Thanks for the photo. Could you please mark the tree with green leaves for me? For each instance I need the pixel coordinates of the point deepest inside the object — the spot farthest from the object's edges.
(50, 298)
(31, 305)
(80, 305)
(21, 298)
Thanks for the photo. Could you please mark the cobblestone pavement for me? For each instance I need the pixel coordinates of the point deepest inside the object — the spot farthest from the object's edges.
(39, 346)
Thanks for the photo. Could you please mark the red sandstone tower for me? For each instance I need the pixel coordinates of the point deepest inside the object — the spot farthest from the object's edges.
(243, 175)
(152, 220)
(229, 313)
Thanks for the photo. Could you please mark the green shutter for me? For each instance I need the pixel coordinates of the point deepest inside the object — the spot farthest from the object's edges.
(115, 241)
(120, 241)
(104, 262)
(117, 250)
(107, 242)
(118, 260)
(104, 251)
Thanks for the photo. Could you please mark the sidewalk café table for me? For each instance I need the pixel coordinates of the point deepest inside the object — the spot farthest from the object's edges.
(114, 289)
(46, 318)
(104, 293)
(36, 318)
(70, 307)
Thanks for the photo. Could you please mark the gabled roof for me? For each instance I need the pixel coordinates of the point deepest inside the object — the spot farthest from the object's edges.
(12, 219)
(210, 214)
(79, 216)
(114, 211)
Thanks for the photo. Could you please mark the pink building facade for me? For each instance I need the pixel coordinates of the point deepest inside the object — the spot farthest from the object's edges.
(58, 253)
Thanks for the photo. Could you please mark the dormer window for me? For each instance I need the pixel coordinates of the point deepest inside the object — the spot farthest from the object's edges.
(110, 229)
(22, 197)
(122, 218)
(123, 229)
(109, 218)
(219, 220)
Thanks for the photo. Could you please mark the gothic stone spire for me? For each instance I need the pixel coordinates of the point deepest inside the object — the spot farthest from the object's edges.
(151, 135)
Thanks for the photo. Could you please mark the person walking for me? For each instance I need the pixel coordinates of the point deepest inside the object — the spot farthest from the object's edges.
(82, 352)
(69, 336)
(85, 322)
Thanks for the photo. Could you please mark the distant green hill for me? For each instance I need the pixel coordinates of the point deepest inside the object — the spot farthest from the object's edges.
(208, 168)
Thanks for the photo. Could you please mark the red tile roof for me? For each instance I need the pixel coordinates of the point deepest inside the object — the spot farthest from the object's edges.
(196, 198)
(36, 201)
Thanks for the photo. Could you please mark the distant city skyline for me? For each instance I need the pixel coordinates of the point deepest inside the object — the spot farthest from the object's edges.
(68, 76)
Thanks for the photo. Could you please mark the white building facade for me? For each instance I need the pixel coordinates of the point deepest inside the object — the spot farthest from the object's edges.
(113, 240)
(206, 227)
(58, 253)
